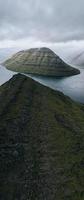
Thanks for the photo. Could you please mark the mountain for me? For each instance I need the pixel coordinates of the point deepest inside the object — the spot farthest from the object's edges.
(6, 52)
(42, 61)
(78, 59)
(41, 143)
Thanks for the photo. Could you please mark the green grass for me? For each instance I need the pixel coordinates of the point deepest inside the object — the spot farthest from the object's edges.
(41, 141)
(41, 62)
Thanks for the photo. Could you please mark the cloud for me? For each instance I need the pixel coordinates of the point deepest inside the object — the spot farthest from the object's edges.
(46, 21)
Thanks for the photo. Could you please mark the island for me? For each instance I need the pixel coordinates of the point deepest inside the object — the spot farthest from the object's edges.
(40, 61)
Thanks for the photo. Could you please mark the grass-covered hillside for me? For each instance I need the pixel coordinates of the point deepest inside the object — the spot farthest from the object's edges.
(41, 143)
(40, 61)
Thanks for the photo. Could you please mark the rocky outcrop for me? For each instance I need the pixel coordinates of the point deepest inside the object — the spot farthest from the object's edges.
(41, 143)
(42, 61)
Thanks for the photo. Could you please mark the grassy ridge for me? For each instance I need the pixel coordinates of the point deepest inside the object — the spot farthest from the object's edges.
(41, 143)
(41, 61)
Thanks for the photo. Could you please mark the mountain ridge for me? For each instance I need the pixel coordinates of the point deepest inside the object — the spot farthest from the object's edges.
(41, 143)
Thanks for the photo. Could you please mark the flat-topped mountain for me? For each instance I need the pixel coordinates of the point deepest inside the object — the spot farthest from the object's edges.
(40, 61)
(41, 143)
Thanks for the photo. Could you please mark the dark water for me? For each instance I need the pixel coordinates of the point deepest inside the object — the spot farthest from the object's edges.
(5, 75)
(72, 86)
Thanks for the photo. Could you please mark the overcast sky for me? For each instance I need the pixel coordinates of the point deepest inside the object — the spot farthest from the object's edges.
(41, 22)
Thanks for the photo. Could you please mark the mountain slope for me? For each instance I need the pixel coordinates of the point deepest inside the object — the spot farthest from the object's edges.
(41, 143)
(79, 59)
(42, 61)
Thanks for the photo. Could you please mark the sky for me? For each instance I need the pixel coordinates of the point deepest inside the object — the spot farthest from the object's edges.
(51, 23)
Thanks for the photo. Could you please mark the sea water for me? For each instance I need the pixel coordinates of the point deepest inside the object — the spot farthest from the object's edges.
(72, 86)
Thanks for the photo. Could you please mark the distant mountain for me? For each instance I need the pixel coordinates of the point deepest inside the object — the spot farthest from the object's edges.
(6, 52)
(78, 59)
(41, 143)
(42, 61)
